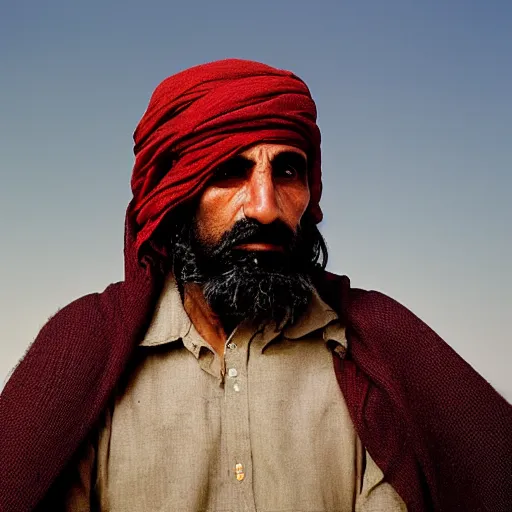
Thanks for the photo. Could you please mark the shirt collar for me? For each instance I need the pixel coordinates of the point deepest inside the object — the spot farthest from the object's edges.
(317, 315)
(170, 322)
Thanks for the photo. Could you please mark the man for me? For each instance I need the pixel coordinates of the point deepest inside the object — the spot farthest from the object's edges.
(229, 371)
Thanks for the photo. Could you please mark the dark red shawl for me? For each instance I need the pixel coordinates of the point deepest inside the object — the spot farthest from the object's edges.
(439, 432)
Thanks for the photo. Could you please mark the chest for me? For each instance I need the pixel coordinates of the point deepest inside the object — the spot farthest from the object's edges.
(273, 434)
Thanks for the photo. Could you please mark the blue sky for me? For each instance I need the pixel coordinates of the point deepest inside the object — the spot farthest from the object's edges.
(416, 118)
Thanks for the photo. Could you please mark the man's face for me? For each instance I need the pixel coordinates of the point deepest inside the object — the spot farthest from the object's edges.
(266, 183)
(245, 243)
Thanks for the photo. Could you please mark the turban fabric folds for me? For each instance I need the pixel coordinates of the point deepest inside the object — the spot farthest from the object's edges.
(203, 116)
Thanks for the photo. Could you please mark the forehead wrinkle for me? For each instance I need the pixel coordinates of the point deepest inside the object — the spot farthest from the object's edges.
(273, 150)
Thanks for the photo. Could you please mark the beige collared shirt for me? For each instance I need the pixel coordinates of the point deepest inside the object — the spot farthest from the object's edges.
(265, 428)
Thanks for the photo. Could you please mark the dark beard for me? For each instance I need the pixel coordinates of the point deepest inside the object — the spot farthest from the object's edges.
(259, 286)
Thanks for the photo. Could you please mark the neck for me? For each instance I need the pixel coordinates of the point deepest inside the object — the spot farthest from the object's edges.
(206, 322)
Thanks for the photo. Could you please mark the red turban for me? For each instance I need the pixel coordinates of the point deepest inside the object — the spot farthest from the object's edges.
(201, 117)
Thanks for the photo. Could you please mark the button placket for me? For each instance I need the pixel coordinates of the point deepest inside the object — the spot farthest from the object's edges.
(235, 359)
(237, 418)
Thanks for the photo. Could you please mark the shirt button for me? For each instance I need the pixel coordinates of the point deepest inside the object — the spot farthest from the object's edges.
(232, 372)
(231, 346)
(239, 472)
(236, 387)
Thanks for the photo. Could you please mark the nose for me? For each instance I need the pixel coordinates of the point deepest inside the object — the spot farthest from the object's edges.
(261, 202)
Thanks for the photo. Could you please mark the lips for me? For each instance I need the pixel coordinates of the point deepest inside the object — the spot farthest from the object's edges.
(248, 235)
(260, 246)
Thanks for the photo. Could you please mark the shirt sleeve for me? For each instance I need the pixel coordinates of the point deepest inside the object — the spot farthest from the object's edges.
(377, 495)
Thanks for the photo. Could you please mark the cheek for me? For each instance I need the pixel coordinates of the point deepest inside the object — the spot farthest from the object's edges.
(295, 201)
(214, 214)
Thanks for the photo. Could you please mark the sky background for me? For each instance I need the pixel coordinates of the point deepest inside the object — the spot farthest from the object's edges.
(415, 109)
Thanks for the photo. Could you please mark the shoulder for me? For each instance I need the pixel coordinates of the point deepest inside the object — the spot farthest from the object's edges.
(87, 311)
(369, 310)
(84, 318)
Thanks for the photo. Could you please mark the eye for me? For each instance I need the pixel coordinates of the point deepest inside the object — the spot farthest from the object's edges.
(233, 170)
(287, 172)
(289, 165)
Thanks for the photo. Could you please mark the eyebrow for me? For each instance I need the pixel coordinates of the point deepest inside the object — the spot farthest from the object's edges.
(242, 160)
(291, 157)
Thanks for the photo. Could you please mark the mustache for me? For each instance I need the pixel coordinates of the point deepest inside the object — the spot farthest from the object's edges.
(250, 231)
